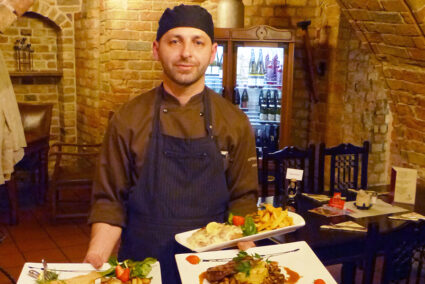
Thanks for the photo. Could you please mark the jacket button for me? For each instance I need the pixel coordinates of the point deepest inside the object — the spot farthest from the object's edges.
(165, 110)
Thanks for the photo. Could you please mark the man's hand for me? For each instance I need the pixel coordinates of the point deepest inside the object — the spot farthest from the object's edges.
(20, 6)
(245, 245)
(104, 237)
(94, 259)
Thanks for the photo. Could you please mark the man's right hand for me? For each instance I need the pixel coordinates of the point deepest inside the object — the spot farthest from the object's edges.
(104, 237)
(94, 259)
(20, 6)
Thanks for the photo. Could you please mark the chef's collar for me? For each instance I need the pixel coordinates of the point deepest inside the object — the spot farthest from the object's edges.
(170, 99)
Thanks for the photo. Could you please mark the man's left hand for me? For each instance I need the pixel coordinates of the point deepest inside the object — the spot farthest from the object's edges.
(245, 245)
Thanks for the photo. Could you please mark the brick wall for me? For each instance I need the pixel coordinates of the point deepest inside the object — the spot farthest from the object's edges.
(49, 27)
(394, 31)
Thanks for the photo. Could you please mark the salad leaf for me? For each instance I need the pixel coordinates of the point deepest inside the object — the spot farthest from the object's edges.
(137, 268)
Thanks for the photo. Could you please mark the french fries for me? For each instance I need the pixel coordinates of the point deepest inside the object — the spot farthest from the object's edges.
(140, 280)
(271, 218)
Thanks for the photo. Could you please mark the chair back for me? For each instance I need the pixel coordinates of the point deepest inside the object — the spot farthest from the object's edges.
(36, 120)
(346, 161)
(275, 165)
(398, 248)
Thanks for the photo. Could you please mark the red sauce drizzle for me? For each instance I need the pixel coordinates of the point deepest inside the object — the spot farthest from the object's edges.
(293, 276)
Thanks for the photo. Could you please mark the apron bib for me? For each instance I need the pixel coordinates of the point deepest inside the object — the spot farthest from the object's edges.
(182, 187)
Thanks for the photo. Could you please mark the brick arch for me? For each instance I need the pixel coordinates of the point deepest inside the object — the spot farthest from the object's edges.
(394, 31)
(52, 14)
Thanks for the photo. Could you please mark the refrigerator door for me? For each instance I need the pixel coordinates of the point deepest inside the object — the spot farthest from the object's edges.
(214, 72)
(258, 90)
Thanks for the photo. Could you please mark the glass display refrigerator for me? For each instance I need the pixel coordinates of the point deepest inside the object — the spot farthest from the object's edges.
(253, 68)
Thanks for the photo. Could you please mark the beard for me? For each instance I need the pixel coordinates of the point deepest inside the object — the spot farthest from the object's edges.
(184, 78)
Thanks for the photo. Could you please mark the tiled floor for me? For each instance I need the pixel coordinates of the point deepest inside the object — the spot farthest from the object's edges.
(35, 238)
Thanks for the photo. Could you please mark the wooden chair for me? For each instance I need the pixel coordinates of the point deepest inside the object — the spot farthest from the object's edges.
(12, 196)
(36, 120)
(397, 248)
(275, 165)
(72, 178)
(346, 161)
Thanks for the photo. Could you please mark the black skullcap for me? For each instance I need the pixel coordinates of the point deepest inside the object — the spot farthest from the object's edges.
(186, 16)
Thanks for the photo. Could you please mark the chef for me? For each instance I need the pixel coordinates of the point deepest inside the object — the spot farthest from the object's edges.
(174, 158)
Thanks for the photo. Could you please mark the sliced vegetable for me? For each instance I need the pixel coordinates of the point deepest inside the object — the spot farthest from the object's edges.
(125, 276)
(238, 220)
(230, 219)
(319, 281)
(119, 270)
(248, 227)
(193, 259)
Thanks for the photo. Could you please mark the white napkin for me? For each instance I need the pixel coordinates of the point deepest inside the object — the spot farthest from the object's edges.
(412, 216)
(345, 226)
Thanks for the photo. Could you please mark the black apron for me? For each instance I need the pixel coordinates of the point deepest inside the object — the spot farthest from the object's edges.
(182, 186)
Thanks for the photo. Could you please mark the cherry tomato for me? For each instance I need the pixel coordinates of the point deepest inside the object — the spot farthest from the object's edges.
(119, 270)
(125, 275)
(319, 281)
(238, 220)
(193, 259)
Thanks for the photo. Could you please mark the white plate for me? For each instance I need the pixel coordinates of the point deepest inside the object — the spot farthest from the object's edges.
(299, 257)
(76, 269)
(298, 223)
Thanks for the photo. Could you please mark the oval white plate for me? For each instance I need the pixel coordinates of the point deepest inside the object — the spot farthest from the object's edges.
(299, 222)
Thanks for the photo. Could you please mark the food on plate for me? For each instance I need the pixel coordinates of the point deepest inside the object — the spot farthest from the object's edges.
(193, 259)
(214, 233)
(128, 272)
(271, 218)
(246, 269)
(266, 219)
(82, 279)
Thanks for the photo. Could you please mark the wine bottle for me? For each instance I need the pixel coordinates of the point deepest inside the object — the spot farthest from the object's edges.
(260, 69)
(236, 97)
(276, 63)
(270, 106)
(260, 100)
(278, 105)
(245, 99)
(291, 193)
(252, 70)
(264, 108)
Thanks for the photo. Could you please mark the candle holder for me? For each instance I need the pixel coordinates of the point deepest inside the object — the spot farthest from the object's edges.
(23, 54)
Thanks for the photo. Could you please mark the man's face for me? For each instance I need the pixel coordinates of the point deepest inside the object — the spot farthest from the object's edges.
(185, 54)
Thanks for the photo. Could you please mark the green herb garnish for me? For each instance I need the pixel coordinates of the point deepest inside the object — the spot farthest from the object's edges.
(230, 219)
(244, 261)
